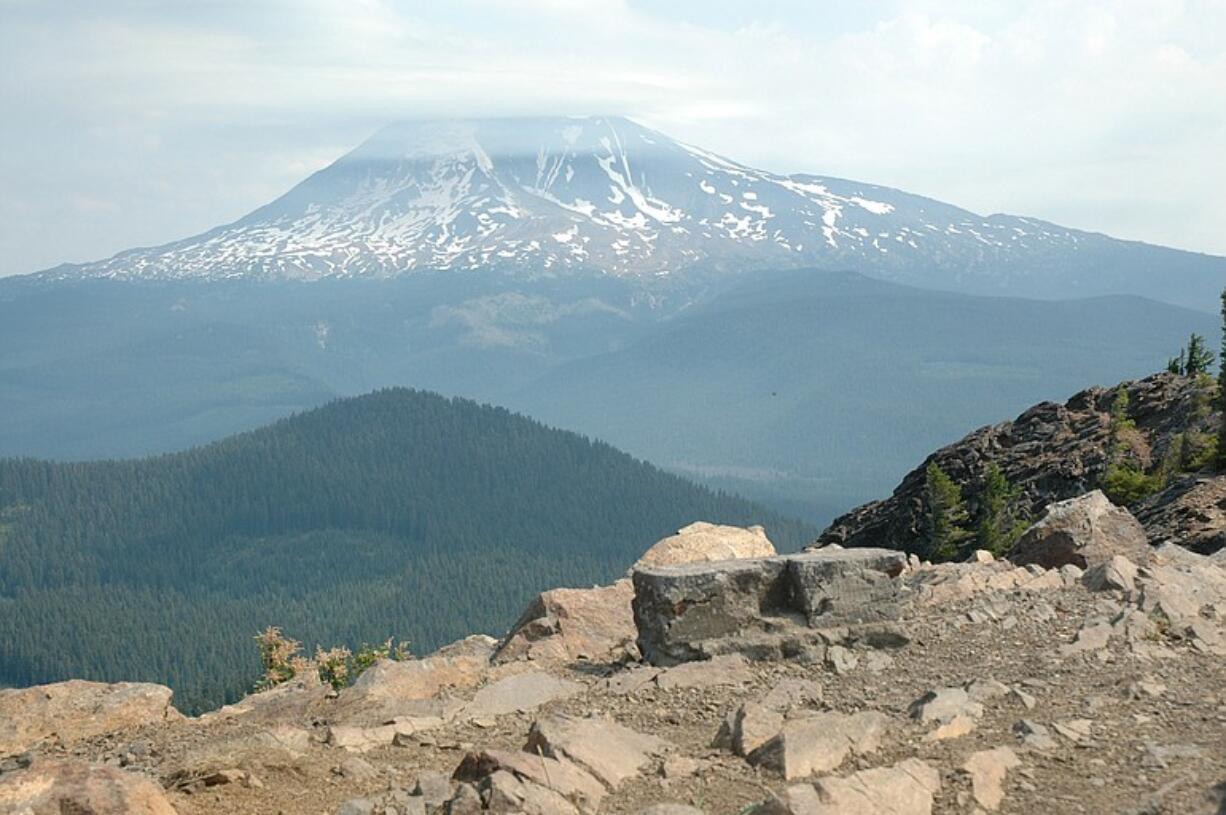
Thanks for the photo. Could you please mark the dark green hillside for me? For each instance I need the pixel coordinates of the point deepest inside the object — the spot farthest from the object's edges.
(398, 513)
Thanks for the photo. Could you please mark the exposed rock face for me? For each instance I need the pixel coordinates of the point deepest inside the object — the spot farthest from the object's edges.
(764, 607)
(1086, 531)
(1191, 511)
(76, 788)
(76, 710)
(565, 625)
(1050, 453)
(706, 541)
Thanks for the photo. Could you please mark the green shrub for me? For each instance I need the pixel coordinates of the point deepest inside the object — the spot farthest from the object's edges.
(1126, 484)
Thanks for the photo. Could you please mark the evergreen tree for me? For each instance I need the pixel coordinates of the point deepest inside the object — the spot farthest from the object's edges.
(999, 526)
(1220, 455)
(1200, 359)
(946, 516)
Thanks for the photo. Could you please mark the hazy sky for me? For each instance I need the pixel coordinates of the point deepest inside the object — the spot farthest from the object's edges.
(135, 122)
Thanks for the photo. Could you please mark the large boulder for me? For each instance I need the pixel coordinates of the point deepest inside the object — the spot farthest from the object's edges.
(702, 541)
(565, 625)
(762, 607)
(393, 689)
(1085, 531)
(74, 710)
(76, 788)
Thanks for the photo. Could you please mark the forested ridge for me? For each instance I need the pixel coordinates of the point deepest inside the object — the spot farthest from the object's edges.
(399, 513)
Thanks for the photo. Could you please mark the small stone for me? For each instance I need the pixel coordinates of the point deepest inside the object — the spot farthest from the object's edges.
(988, 769)
(841, 660)
(943, 704)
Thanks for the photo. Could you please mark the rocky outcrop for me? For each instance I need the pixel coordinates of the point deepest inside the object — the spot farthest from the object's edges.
(566, 625)
(75, 710)
(1191, 511)
(1086, 531)
(702, 541)
(1050, 453)
(596, 625)
(766, 608)
(78, 788)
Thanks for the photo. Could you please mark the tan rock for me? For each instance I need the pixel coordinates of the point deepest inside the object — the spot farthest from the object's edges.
(987, 769)
(519, 693)
(603, 747)
(956, 727)
(748, 728)
(706, 541)
(300, 698)
(726, 669)
(74, 710)
(907, 788)
(820, 743)
(507, 792)
(382, 691)
(70, 787)
(565, 625)
(1092, 637)
(572, 782)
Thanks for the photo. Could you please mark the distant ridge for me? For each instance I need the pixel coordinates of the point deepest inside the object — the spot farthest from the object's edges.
(396, 513)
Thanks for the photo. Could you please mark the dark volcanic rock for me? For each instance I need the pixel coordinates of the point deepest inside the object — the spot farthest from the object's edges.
(1051, 453)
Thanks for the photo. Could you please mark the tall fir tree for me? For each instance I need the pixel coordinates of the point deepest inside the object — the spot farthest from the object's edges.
(947, 514)
(1220, 456)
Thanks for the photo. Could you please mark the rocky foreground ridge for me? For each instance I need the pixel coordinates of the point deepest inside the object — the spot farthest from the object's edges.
(1088, 675)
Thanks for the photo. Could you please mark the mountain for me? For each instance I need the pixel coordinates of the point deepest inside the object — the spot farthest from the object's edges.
(606, 196)
(818, 391)
(399, 513)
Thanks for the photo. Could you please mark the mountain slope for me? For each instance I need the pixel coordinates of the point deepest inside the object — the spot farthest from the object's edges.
(605, 195)
(824, 389)
(398, 513)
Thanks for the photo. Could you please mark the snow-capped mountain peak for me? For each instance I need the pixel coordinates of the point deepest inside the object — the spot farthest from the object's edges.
(603, 195)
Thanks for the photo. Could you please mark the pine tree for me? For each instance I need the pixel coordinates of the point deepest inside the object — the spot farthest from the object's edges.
(999, 525)
(947, 514)
(1220, 456)
(1200, 359)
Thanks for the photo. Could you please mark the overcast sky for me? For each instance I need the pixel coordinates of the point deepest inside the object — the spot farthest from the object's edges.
(136, 122)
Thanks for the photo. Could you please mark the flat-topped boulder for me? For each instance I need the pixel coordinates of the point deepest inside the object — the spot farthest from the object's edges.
(76, 709)
(69, 787)
(763, 607)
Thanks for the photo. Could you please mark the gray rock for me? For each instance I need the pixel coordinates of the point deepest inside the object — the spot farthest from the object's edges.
(519, 693)
(841, 660)
(433, 788)
(1117, 574)
(726, 669)
(762, 607)
(1086, 531)
(943, 704)
(670, 809)
(357, 806)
